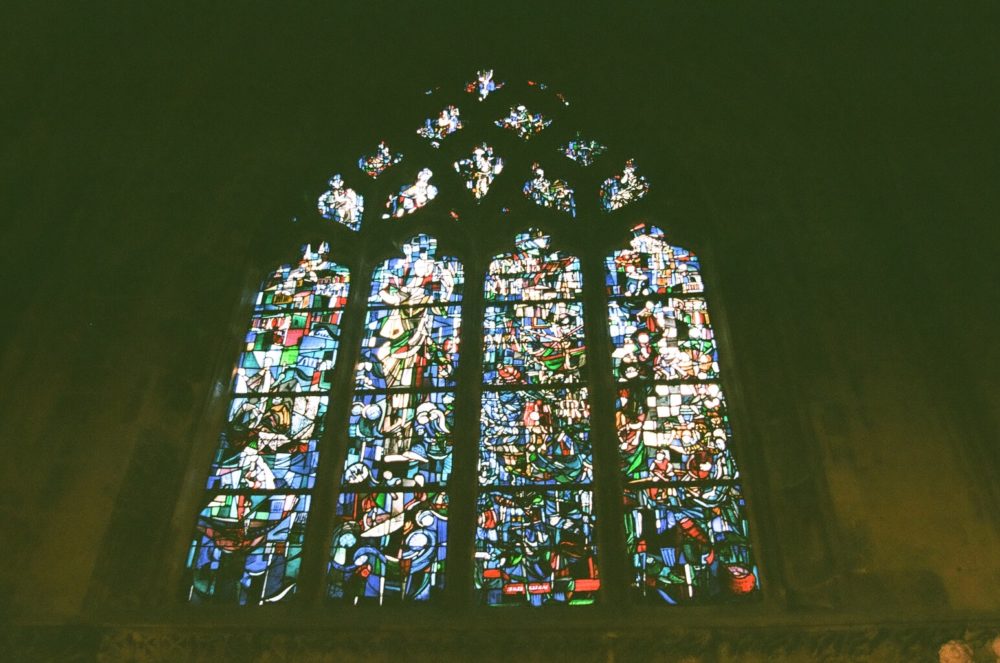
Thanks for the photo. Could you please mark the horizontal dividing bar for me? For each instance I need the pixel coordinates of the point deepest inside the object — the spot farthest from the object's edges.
(282, 394)
(414, 307)
(257, 491)
(532, 387)
(279, 311)
(646, 382)
(498, 303)
(656, 296)
(535, 488)
(405, 390)
(699, 483)
(348, 489)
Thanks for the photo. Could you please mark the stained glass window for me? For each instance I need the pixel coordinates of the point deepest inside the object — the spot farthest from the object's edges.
(685, 517)
(249, 538)
(533, 500)
(411, 197)
(555, 194)
(534, 536)
(343, 205)
(391, 521)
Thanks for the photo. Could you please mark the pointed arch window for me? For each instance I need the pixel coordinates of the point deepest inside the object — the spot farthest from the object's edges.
(522, 492)
(686, 529)
(534, 541)
(390, 537)
(252, 523)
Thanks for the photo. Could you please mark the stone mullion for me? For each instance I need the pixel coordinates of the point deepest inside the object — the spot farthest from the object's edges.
(610, 532)
(333, 444)
(462, 485)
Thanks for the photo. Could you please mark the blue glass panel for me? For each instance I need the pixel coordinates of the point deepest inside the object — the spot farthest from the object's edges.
(652, 267)
(270, 443)
(536, 548)
(535, 437)
(389, 547)
(417, 278)
(248, 548)
(533, 343)
(401, 439)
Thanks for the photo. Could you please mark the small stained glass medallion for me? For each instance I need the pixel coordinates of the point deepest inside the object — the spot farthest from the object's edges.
(411, 197)
(582, 151)
(624, 189)
(523, 122)
(343, 205)
(479, 169)
(554, 194)
(379, 161)
(438, 128)
(484, 85)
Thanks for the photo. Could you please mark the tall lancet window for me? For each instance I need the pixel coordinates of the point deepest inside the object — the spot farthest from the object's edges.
(686, 526)
(390, 535)
(250, 530)
(535, 540)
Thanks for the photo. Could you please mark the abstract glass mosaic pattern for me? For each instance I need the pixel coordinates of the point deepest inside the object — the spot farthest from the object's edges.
(582, 150)
(624, 189)
(436, 129)
(343, 205)
(534, 545)
(391, 536)
(388, 547)
(553, 194)
(523, 122)
(536, 548)
(411, 197)
(685, 517)
(249, 533)
(479, 169)
(379, 161)
(484, 85)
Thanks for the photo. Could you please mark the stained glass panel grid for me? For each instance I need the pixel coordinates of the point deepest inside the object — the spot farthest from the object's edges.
(248, 549)
(388, 547)
(536, 548)
(536, 437)
(533, 343)
(662, 340)
(689, 544)
(402, 439)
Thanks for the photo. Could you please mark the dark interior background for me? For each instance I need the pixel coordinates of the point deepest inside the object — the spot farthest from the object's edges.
(838, 162)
